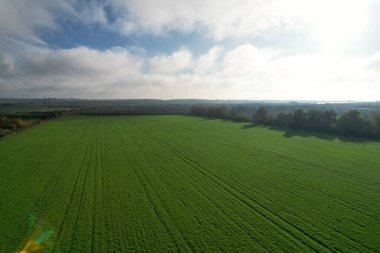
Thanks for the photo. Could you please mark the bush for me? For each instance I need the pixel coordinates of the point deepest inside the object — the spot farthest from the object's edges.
(3, 121)
(18, 123)
(4, 132)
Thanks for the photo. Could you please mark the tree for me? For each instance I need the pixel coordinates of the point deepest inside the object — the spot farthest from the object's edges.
(243, 118)
(261, 115)
(284, 119)
(377, 123)
(316, 119)
(321, 120)
(11, 126)
(352, 123)
(300, 119)
(220, 111)
(211, 111)
(7, 124)
(235, 111)
(199, 110)
(330, 117)
(3, 121)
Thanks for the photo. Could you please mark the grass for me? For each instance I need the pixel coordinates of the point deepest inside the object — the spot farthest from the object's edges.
(175, 183)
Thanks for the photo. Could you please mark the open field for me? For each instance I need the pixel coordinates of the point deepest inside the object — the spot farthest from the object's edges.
(176, 183)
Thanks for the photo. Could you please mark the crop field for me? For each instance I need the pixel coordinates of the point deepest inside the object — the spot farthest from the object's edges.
(177, 183)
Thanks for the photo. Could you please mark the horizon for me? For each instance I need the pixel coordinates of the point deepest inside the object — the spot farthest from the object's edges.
(241, 50)
(202, 99)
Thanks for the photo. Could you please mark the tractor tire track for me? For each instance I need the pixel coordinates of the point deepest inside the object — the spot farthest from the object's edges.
(236, 194)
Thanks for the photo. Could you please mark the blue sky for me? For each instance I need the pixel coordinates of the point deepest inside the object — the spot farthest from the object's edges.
(235, 49)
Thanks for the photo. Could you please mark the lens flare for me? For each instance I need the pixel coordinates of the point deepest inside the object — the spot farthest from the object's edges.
(39, 237)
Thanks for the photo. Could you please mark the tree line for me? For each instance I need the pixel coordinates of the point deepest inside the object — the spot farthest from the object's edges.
(348, 123)
(11, 122)
(8, 125)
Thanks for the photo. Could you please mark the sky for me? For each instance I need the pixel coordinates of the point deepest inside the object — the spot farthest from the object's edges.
(172, 49)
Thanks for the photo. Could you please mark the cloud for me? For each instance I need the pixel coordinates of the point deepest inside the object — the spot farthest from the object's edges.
(374, 62)
(243, 72)
(173, 63)
(212, 18)
(31, 68)
(22, 19)
(247, 59)
(219, 21)
(208, 62)
(73, 72)
(6, 64)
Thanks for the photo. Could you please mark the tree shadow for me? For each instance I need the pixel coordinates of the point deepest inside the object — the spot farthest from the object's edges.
(289, 133)
(356, 139)
(222, 120)
(202, 118)
(206, 119)
(234, 121)
(250, 125)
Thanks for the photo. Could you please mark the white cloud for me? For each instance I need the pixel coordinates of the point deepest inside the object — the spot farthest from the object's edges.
(6, 64)
(20, 18)
(208, 62)
(329, 23)
(213, 18)
(70, 72)
(373, 62)
(244, 72)
(247, 59)
(173, 63)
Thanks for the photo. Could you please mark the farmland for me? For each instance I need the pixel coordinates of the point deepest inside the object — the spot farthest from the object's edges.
(176, 183)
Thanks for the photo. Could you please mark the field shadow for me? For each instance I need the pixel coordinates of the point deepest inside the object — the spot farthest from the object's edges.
(205, 119)
(200, 118)
(289, 133)
(250, 125)
(234, 121)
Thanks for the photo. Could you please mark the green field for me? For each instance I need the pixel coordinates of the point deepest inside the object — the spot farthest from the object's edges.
(176, 183)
